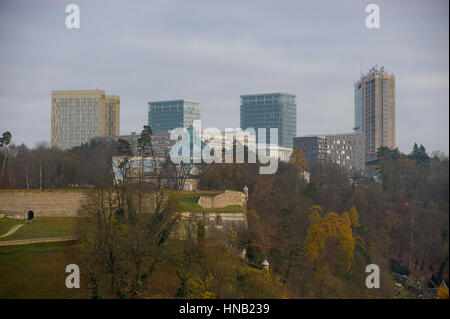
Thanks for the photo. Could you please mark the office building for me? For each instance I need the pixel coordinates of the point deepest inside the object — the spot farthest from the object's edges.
(164, 116)
(346, 150)
(271, 110)
(375, 110)
(112, 118)
(79, 115)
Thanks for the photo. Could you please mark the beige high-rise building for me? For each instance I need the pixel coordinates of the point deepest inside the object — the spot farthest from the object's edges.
(375, 110)
(79, 115)
(112, 119)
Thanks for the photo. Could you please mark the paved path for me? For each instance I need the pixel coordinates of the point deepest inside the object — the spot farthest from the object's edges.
(36, 240)
(12, 230)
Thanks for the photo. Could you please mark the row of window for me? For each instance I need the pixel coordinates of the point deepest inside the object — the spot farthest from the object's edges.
(71, 100)
(264, 99)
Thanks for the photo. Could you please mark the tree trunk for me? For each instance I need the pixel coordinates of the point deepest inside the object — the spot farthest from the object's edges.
(26, 177)
(40, 175)
(3, 168)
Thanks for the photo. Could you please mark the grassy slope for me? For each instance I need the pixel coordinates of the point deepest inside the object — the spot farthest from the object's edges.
(7, 223)
(42, 227)
(37, 271)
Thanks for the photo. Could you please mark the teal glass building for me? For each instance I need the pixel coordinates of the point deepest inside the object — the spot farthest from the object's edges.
(271, 110)
(164, 116)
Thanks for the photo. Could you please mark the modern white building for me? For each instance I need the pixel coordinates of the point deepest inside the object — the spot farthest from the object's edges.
(282, 153)
(225, 140)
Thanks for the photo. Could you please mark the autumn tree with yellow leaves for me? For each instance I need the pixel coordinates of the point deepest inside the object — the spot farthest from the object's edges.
(442, 293)
(329, 248)
(332, 232)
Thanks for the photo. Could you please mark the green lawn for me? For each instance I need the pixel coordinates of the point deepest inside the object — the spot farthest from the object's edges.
(7, 223)
(38, 271)
(43, 227)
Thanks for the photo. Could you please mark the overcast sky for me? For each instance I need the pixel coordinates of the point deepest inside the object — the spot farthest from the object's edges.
(214, 51)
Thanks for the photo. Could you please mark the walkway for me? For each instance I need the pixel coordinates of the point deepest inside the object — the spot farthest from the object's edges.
(37, 240)
(12, 230)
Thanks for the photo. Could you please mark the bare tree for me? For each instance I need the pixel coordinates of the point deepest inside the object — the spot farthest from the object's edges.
(121, 242)
(178, 173)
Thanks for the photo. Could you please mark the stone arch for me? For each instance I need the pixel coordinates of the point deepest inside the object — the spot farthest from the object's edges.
(30, 215)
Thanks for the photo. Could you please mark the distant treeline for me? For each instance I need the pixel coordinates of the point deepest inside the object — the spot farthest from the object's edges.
(43, 167)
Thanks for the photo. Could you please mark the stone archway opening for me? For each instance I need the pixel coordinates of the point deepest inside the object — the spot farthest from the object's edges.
(30, 215)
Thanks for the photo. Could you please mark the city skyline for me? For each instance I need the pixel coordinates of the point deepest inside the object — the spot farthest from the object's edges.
(145, 58)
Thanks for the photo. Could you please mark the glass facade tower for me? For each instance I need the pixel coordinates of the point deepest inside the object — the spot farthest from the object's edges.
(164, 116)
(271, 110)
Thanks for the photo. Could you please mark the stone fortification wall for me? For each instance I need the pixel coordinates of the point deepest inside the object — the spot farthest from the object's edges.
(222, 200)
(42, 203)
